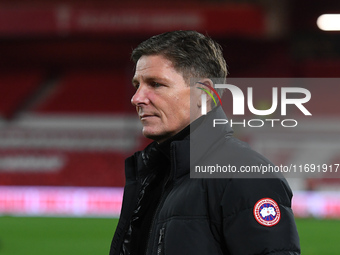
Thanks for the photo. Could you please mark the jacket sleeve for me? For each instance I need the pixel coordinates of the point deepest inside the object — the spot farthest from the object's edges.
(257, 217)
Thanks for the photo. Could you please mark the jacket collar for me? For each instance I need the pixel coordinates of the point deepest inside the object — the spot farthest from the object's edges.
(203, 137)
(186, 152)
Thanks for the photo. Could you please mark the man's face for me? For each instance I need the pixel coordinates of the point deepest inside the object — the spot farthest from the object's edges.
(162, 97)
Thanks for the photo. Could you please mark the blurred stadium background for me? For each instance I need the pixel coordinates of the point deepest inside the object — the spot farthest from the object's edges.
(66, 122)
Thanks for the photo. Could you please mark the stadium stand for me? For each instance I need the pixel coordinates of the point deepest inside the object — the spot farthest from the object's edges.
(77, 133)
(326, 68)
(16, 87)
(89, 92)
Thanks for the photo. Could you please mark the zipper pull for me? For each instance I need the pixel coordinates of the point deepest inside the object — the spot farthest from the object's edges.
(160, 242)
(161, 235)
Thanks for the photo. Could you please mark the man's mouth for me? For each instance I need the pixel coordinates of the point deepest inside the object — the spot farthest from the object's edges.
(147, 116)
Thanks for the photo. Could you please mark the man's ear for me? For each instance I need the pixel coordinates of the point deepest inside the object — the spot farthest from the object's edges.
(205, 84)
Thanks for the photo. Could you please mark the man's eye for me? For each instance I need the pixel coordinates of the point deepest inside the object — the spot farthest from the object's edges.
(156, 84)
(136, 85)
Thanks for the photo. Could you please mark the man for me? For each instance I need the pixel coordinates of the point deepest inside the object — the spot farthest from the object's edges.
(165, 211)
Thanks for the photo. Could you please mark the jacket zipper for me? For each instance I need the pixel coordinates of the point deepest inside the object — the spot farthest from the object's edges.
(159, 206)
(165, 193)
(160, 250)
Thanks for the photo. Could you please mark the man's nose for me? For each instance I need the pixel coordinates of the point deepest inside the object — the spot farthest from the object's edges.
(140, 96)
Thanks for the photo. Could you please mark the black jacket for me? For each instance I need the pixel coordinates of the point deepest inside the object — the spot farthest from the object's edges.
(211, 216)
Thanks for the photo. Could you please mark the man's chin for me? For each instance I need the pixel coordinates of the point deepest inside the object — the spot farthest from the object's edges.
(156, 136)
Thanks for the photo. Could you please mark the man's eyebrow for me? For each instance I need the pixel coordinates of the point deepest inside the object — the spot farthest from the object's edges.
(150, 79)
(157, 78)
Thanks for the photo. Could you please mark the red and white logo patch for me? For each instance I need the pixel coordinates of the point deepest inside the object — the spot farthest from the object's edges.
(267, 212)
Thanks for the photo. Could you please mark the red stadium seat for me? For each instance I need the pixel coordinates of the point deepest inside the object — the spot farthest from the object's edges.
(90, 92)
(16, 87)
